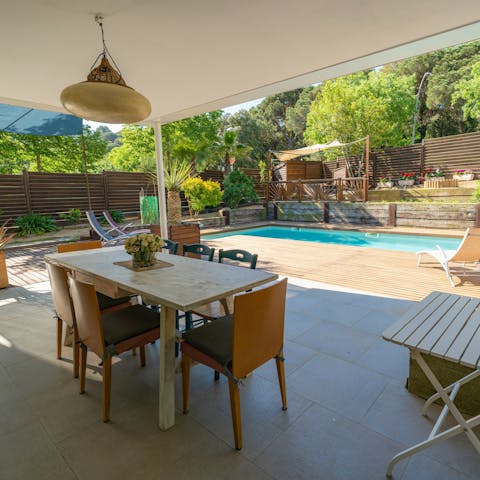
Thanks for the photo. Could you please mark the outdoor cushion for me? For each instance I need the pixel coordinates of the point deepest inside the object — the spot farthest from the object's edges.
(128, 322)
(215, 339)
(108, 302)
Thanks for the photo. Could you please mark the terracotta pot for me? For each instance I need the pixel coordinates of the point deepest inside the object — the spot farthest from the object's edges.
(3, 270)
(183, 233)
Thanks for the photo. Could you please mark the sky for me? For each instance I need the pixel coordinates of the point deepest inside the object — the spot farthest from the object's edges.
(234, 108)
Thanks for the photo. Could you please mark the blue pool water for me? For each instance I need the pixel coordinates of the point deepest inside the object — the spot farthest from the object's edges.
(388, 241)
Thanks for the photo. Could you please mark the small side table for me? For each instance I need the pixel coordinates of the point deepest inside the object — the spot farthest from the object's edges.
(445, 326)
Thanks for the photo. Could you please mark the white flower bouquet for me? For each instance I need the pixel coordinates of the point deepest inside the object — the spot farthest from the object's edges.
(142, 248)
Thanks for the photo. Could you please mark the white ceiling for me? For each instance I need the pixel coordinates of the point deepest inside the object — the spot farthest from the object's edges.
(193, 56)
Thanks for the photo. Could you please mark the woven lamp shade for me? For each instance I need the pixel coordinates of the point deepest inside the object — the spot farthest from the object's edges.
(105, 98)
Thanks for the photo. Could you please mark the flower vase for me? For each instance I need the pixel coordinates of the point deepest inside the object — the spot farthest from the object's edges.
(142, 259)
(406, 183)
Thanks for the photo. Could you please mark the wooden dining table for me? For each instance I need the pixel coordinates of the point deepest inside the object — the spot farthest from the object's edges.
(183, 284)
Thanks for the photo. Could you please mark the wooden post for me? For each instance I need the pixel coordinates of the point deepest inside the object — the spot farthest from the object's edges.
(268, 172)
(422, 157)
(392, 214)
(367, 168)
(299, 190)
(339, 190)
(326, 212)
(105, 190)
(26, 189)
(477, 215)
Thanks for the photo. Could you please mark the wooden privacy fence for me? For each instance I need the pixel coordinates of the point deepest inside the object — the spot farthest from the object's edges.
(56, 193)
(446, 153)
(350, 189)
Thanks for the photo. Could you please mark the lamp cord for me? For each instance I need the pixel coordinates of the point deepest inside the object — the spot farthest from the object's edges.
(105, 50)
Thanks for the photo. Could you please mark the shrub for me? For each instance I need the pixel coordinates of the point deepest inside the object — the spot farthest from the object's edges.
(238, 188)
(73, 216)
(117, 216)
(35, 224)
(476, 193)
(201, 193)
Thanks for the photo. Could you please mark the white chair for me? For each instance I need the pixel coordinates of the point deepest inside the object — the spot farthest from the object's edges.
(467, 252)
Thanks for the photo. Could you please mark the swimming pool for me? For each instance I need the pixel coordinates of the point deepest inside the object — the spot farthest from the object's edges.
(387, 241)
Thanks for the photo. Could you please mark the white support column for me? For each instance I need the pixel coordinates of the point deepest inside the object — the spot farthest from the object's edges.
(162, 205)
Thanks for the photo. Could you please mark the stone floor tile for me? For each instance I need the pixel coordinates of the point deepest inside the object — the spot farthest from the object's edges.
(324, 445)
(337, 340)
(339, 385)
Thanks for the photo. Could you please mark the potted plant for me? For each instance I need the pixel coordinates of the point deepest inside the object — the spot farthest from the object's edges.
(142, 248)
(407, 179)
(385, 182)
(463, 174)
(4, 239)
(434, 174)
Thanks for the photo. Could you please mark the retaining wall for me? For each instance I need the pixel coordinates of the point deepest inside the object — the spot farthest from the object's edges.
(433, 215)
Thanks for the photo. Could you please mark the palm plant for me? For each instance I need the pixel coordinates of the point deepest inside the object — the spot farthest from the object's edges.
(174, 176)
(4, 238)
(228, 147)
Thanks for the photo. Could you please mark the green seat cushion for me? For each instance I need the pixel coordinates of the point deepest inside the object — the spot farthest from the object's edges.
(128, 322)
(215, 339)
(108, 302)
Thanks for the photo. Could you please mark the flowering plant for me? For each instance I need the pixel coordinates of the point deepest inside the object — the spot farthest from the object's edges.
(408, 175)
(463, 171)
(431, 173)
(384, 179)
(142, 247)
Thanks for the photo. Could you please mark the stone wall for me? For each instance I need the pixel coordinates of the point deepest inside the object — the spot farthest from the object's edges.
(358, 213)
(435, 215)
(252, 214)
(300, 212)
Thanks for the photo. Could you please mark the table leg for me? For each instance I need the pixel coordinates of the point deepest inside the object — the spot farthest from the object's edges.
(166, 405)
(227, 304)
(463, 425)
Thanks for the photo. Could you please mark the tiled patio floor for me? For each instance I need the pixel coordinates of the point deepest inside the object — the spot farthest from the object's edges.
(348, 411)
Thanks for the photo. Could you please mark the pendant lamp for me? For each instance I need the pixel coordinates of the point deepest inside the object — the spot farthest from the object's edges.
(105, 97)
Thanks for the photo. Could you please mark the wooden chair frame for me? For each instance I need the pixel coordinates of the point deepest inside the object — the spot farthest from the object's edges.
(258, 332)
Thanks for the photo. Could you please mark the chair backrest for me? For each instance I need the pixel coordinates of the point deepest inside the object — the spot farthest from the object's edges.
(112, 222)
(75, 246)
(198, 249)
(239, 256)
(258, 323)
(94, 223)
(62, 303)
(469, 249)
(171, 246)
(87, 314)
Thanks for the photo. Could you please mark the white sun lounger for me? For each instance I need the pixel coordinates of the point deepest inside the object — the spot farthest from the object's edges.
(467, 252)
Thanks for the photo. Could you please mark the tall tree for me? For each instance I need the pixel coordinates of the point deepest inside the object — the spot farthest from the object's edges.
(366, 103)
(467, 91)
(228, 147)
(440, 112)
(191, 140)
(277, 123)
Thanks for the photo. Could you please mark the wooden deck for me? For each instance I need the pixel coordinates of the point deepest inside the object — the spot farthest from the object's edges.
(384, 272)
(372, 270)
(26, 265)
